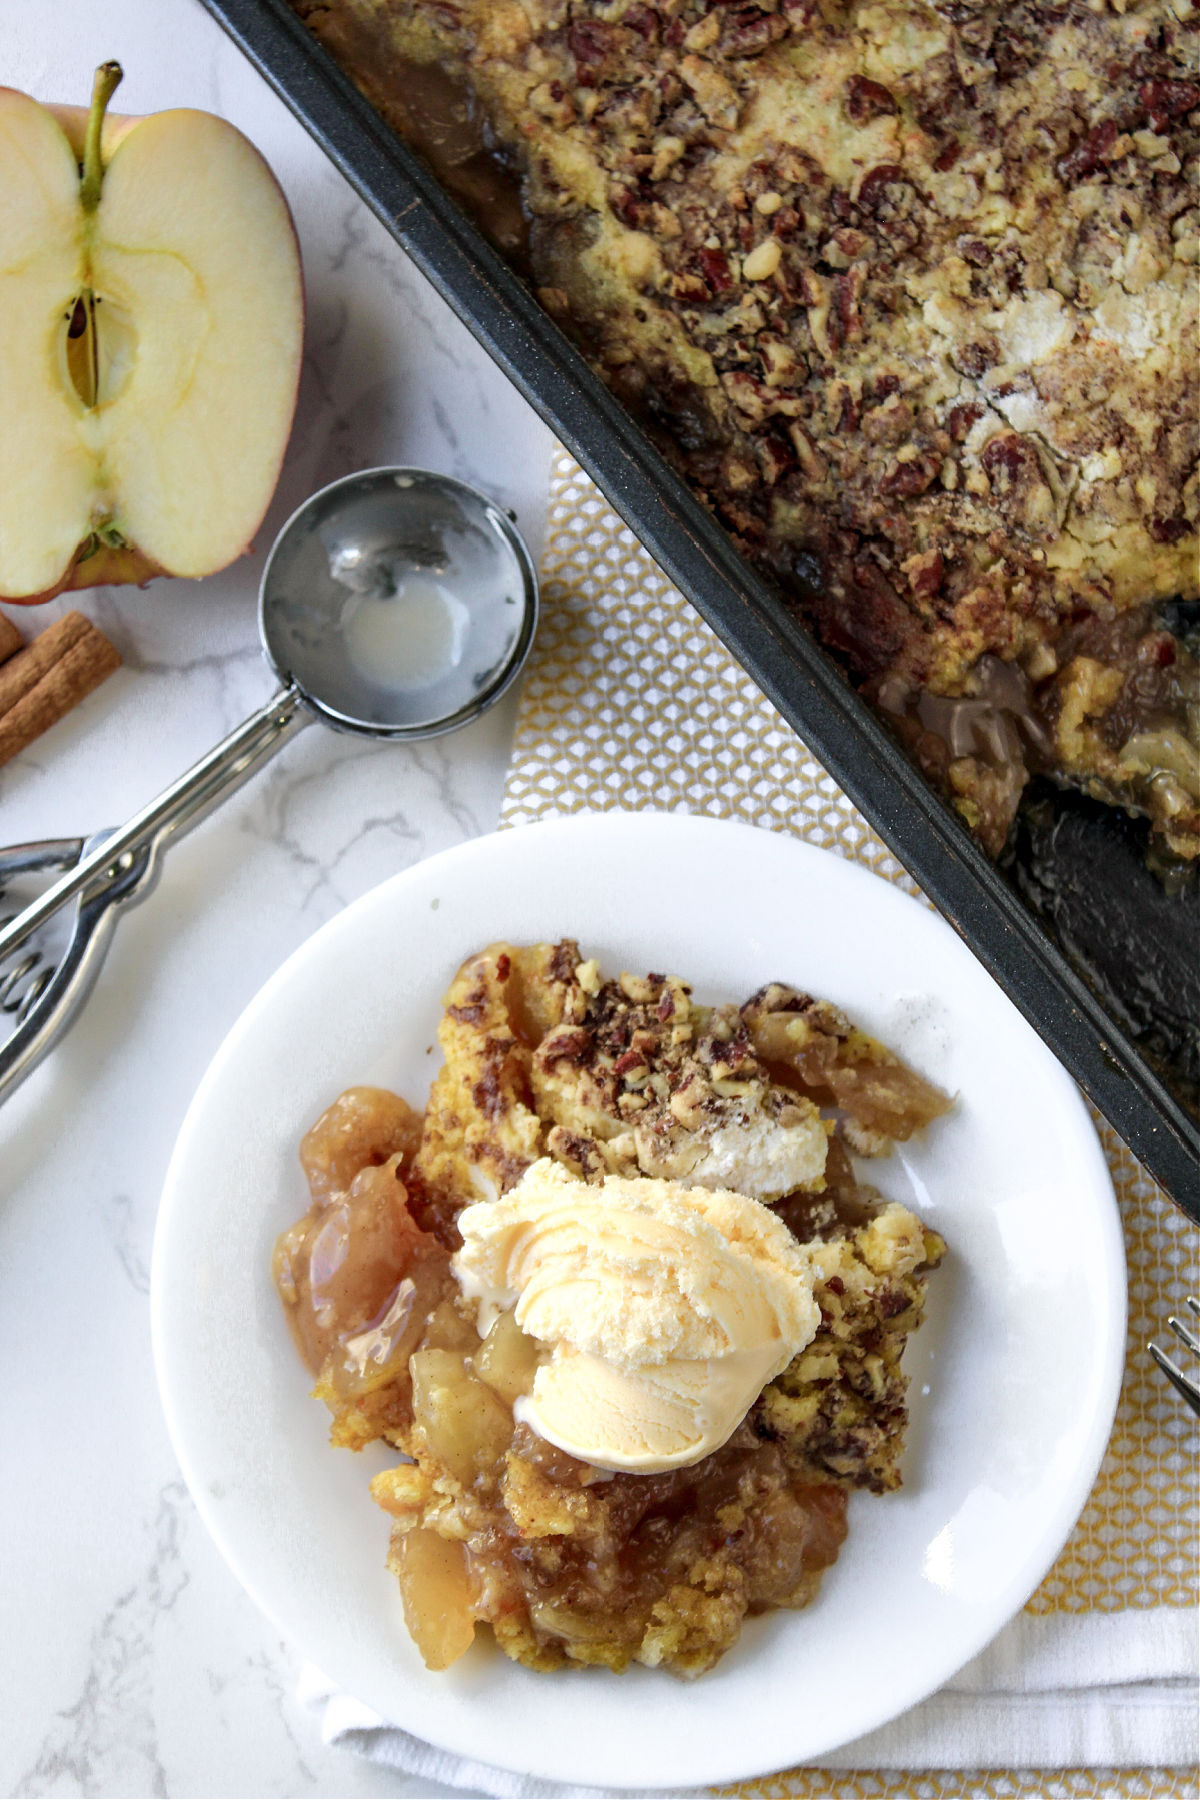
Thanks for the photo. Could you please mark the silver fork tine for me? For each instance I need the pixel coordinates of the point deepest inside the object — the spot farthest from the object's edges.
(1177, 1378)
(1184, 1335)
(1183, 1384)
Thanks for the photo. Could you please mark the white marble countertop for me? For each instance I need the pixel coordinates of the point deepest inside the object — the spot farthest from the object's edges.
(130, 1660)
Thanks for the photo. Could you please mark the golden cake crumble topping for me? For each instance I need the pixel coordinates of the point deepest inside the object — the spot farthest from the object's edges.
(622, 1303)
(907, 290)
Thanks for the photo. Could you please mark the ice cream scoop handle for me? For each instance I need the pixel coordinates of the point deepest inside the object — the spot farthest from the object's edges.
(174, 811)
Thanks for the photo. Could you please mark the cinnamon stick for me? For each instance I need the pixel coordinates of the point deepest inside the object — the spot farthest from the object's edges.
(10, 638)
(23, 671)
(45, 679)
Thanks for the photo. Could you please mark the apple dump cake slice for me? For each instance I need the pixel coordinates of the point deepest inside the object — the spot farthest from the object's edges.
(622, 1303)
(907, 291)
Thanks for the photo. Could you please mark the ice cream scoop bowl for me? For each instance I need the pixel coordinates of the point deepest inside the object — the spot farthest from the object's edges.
(395, 603)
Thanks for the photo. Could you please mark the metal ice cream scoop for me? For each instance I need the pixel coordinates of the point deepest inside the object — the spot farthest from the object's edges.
(395, 603)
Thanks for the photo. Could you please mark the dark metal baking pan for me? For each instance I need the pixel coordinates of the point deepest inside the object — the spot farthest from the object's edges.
(792, 671)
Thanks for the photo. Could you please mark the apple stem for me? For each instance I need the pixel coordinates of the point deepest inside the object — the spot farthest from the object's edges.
(108, 79)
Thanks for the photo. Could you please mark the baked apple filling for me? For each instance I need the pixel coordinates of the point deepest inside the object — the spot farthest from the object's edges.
(622, 1303)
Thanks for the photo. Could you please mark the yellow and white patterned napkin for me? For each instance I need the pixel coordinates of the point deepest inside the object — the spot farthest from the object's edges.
(631, 701)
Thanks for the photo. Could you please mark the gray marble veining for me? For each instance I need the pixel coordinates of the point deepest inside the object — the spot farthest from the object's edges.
(131, 1662)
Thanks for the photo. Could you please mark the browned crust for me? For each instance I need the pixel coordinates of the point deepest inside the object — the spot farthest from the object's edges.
(907, 291)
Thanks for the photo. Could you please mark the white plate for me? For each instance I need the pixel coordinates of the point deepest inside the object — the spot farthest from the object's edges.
(1014, 1375)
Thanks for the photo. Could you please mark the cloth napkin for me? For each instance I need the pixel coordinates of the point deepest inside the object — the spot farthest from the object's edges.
(631, 701)
(1051, 1693)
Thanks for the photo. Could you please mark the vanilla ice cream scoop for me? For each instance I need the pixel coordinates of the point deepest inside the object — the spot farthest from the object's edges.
(665, 1309)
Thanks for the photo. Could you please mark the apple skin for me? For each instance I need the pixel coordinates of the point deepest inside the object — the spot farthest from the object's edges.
(109, 565)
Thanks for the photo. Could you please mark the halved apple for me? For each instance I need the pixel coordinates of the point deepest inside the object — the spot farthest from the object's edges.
(151, 321)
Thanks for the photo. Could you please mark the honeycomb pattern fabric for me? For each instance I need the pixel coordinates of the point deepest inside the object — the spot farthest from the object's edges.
(972, 1784)
(631, 701)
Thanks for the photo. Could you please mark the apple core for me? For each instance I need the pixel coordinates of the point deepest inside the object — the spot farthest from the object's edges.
(99, 347)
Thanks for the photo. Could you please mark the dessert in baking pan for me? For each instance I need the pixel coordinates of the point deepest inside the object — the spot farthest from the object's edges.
(908, 293)
(622, 1302)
